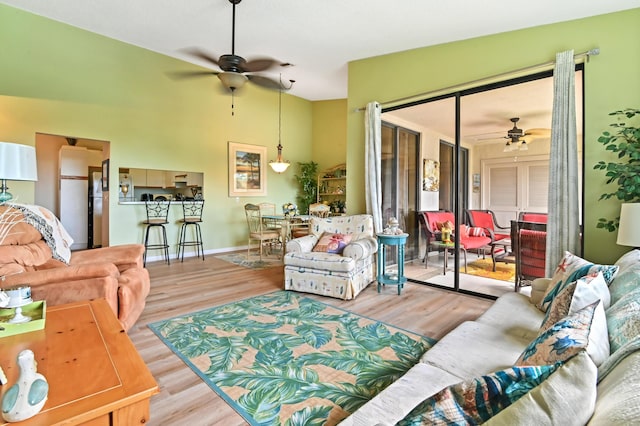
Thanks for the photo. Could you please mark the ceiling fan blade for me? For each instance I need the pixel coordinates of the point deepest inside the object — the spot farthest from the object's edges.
(260, 64)
(267, 82)
(538, 132)
(202, 55)
(181, 75)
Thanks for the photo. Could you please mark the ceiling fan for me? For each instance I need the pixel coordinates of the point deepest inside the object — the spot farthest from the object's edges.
(236, 70)
(516, 136)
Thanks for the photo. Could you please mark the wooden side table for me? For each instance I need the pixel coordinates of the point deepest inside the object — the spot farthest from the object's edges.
(387, 278)
(95, 374)
(446, 247)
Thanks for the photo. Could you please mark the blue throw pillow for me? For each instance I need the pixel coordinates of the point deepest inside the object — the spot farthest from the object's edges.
(477, 400)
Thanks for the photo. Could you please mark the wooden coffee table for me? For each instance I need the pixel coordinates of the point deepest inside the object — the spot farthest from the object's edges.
(95, 374)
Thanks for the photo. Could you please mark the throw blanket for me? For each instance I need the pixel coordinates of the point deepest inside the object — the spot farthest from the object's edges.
(53, 233)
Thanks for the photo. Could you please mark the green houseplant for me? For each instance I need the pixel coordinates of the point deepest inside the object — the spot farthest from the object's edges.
(308, 189)
(625, 141)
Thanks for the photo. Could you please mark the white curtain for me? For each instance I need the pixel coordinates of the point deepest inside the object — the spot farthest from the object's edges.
(373, 163)
(563, 228)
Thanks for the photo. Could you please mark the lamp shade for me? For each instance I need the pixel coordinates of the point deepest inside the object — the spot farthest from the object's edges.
(18, 162)
(629, 229)
(232, 80)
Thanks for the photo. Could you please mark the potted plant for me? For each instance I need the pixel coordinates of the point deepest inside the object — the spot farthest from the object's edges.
(308, 181)
(625, 141)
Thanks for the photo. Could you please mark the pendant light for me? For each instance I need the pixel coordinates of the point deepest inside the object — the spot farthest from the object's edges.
(280, 165)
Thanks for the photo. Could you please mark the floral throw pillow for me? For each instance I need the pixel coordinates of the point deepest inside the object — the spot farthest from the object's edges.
(570, 268)
(576, 296)
(476, 400)
(562, 340)
(332, 243)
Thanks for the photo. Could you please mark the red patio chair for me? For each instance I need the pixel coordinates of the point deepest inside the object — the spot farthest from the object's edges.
(487, 219)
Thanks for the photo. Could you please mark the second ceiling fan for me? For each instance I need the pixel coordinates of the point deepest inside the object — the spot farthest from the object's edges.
(516, 136)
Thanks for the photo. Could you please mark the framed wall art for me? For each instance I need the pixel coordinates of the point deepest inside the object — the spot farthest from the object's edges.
(105, 175)
(247, 170)
(430, 175)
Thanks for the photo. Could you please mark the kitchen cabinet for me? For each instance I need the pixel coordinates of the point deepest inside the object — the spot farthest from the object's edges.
(195, 179)
(155, 179)
(138, 177)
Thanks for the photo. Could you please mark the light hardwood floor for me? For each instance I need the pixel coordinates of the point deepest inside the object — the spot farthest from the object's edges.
(186, 287)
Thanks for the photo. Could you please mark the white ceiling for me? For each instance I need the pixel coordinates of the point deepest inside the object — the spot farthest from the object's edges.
(319, 37)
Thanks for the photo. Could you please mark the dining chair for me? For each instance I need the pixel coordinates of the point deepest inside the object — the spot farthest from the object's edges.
(258, 231)
(157, 217)
(191, 217)
(319, 210)
(269, 209)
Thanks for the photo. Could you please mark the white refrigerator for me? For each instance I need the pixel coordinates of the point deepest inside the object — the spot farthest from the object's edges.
(74, 164)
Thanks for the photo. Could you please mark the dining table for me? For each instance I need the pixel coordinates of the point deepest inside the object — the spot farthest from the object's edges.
(286, 223)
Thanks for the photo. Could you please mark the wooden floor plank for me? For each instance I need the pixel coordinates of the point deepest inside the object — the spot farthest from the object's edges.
(193, 285)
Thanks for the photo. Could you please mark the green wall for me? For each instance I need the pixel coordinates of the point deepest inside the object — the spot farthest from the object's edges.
(329, 133)
(611, 83)
(62, 80)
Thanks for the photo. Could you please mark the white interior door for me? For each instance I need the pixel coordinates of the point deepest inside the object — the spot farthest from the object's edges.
(511, 187)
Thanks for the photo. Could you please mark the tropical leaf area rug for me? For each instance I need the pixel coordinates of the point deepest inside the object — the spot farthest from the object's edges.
(484, 268)
(253, 262)
(284, 359)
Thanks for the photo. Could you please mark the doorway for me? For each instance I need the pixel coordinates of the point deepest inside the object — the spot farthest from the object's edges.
(64, 188)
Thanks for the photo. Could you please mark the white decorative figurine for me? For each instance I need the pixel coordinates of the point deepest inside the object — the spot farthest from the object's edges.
(27, 396)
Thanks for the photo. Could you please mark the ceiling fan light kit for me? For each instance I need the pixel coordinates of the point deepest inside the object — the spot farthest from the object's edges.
(232, 80)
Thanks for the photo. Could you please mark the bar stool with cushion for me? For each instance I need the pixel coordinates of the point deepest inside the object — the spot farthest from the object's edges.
(157, 217)
(192, 216)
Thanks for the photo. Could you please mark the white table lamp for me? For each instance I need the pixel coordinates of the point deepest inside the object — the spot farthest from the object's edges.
(629, 229)
(17, 162)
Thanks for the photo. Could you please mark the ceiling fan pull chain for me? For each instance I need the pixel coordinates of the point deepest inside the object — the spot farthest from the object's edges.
(232, 103)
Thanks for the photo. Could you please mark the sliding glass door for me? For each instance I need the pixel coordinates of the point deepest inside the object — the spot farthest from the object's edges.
(400, 149)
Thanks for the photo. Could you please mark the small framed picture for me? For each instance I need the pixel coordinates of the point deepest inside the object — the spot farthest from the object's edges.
(105, 175)
(430, 175)
(247, 170)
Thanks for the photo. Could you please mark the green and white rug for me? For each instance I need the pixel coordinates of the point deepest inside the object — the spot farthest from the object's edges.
(285, 359)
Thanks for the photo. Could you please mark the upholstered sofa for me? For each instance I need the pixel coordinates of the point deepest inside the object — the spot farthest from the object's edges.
(341, 275)
(34, 250)
(577, 392)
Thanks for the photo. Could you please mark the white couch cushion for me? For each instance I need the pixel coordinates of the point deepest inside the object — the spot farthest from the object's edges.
(501, 315)
(619, 394)
(473, 349)
(567, 397)
(320, 261)
(399, 398)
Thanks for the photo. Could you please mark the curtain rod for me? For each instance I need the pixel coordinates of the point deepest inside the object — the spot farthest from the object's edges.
(486, 80)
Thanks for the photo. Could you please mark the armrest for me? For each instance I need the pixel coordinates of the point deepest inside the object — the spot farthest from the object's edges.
(302, 244)
(361, 248)
(64, 274)
(123, 256)
(68, 284)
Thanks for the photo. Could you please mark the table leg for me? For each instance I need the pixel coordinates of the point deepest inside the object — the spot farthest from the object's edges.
(446, 256)
(400, 267)
(381, 262)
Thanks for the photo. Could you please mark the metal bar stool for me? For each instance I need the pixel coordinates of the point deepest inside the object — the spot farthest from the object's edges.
(157, 216)
(192, 215)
